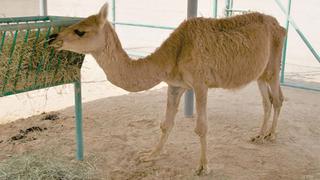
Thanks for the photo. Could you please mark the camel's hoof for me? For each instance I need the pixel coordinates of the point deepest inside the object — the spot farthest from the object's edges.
(203, 170)
(258, 139)
(270, 137)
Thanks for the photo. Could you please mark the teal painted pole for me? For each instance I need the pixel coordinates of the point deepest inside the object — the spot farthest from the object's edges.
(189, 96)
(229, 6)
(302, 36)
(215, 8)
(284, 50)
(226, 11)
(114, 13)
(78, 111)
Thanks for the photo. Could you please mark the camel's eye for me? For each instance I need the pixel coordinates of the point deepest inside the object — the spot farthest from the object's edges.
(79, 33)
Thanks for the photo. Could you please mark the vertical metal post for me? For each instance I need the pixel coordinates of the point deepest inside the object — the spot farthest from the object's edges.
(192, 8)
(189, 96)
(284, 50)
(229, 6)
(188, 104)
(78, 112)
(215, 8)
(43, 7)
(114, 13)
(226, 11)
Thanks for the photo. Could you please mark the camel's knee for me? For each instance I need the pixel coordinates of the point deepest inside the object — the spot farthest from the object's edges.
(281, 95)
(277, 96)
(174, 109)
(277, 102)
(266, 104)
(201, 129)
(166, 126)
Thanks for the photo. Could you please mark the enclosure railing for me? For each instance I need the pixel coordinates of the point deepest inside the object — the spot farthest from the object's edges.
(228, 12)
(289, 20)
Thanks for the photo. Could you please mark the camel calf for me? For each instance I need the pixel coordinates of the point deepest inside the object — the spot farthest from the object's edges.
(201, 53)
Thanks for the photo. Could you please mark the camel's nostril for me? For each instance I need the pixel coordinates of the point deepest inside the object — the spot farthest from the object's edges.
(52, 37)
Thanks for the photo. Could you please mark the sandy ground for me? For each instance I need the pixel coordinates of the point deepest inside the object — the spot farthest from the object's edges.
(116, 129)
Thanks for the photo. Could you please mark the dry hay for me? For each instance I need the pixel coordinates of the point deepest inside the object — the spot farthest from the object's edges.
(33, 63)
(35, 167)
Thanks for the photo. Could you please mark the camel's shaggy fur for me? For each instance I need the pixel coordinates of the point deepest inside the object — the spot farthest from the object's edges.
(201, 53)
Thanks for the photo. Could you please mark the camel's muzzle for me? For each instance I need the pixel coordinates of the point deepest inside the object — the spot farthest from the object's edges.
(54, 42)
(52, 37)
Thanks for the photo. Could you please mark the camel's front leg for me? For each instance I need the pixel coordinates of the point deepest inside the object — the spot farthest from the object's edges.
(202, 127)
(173, 99)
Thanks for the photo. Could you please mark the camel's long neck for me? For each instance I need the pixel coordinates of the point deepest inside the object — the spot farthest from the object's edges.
(122, 71)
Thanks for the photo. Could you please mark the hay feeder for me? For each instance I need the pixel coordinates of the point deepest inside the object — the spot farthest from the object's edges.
(28, 63)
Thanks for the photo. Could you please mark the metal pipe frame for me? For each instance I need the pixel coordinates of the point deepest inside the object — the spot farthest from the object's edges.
(189, 95)
(43, 7)
(229, 6)
(114, 13)
(77, 96)
(284, 50)
(289, 20)
(297, 29)
(214, 8)
(78, 112)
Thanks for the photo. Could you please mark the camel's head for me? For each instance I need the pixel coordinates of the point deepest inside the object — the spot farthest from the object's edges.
(86, 36)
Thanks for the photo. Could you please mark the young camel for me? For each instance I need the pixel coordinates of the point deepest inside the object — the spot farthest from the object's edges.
(201, 53)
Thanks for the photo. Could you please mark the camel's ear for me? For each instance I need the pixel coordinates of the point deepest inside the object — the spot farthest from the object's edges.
(103, 13)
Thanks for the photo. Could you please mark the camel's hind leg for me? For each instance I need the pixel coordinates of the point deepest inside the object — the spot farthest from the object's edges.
(173, 98)
(274, 80)
(202, 127)
(266, 99)
(277, 99)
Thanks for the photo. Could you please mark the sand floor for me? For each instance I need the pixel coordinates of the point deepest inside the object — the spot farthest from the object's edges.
(116, 129)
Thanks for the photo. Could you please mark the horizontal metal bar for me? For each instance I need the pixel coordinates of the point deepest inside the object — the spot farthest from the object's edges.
(136, 55)
(23, 19)
(38, 87)
(143, 25)
(300, 86)
(302, 36)
(36, 18)
(236, 10)
(64, 18)
(13, 27)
